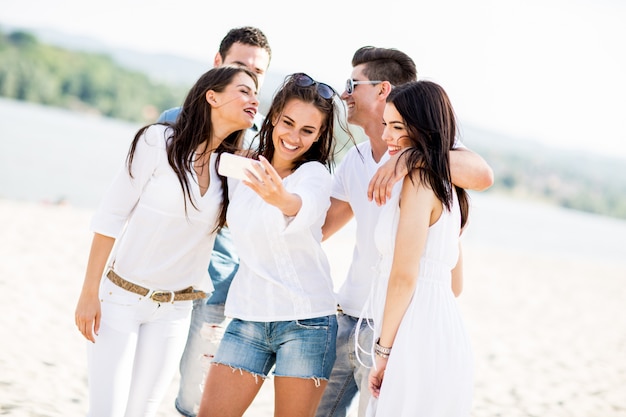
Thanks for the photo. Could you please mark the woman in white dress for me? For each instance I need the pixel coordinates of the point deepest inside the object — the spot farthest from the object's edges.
(423, 359)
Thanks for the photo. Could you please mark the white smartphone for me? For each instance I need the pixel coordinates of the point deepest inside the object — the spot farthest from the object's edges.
(235, 166)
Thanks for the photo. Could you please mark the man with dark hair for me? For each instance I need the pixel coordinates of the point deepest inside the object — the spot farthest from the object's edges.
(246, 46)
(375, 72)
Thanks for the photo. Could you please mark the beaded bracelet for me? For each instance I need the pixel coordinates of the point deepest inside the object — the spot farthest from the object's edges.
(381, 351)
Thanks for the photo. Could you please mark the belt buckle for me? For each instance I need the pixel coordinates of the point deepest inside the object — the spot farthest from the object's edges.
(160, 292)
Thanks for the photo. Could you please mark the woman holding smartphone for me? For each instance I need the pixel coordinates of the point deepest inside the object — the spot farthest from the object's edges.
(281, 300)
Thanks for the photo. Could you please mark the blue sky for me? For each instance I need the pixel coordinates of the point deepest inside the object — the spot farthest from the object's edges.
(547, 70)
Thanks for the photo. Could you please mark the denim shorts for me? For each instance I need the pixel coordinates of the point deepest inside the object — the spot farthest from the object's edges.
(298, 348)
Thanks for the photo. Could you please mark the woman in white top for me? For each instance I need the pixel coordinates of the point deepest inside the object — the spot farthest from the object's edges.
(281, 300)
(423, 358)
(161, 214)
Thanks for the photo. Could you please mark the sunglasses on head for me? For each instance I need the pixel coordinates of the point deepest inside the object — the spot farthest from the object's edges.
(350, 84)
(303, 80)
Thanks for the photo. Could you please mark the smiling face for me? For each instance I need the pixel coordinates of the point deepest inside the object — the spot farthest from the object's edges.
(395, 134)
(296, 128)
(364, 104)
(237, 105)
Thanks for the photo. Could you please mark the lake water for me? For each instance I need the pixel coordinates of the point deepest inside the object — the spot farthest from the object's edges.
(50, 154)
(53, 155)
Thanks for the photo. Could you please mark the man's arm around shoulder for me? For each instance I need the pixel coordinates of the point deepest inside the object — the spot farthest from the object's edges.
(469, 170)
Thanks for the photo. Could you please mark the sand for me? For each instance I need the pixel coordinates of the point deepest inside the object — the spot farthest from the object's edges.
(548, 331)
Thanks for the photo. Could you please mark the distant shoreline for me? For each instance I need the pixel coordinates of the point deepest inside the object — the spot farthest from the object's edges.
(77, 156)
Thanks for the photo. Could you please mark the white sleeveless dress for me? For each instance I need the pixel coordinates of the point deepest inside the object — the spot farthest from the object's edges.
(430, 369)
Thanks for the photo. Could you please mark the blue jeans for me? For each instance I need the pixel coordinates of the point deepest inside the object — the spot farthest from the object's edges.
(349, 377)
(299, 348)
(205, 333)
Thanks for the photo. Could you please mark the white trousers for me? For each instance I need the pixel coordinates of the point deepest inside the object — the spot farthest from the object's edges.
(136, 353)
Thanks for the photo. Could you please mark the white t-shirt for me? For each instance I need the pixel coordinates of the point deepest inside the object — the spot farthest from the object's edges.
(158, 245)
(283, 272)
(350, 182)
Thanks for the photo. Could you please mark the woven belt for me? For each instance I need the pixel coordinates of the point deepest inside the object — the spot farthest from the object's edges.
(159, 296)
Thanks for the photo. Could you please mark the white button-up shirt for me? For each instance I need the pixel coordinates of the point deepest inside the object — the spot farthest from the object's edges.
(283, 273)
(158, 244)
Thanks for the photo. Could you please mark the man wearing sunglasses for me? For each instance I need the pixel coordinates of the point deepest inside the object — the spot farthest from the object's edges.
(246, 46)
(375, 72)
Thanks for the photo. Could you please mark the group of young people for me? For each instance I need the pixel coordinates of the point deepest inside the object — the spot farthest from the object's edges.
(392, 335)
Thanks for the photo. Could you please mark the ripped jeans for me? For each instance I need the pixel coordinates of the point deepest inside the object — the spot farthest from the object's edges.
(205, 333)
(299, 348)
(347, 389)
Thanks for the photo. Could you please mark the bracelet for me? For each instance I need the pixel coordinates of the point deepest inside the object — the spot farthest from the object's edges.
(381, 351)
(382, 355)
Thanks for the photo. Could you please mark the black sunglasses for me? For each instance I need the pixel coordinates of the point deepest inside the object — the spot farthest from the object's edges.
(350, 84)
(303, 80)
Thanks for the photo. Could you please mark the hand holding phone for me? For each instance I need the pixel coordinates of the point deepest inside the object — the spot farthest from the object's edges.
(235, 166)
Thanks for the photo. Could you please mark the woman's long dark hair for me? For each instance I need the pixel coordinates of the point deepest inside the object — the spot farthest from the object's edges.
(193, 127)
(429, 117)
(323, 150)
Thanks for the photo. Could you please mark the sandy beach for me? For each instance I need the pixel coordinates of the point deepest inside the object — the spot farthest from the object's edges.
(547, 326)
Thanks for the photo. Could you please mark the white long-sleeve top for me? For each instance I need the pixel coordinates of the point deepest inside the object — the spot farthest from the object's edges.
(158, 245)
(283, 273)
